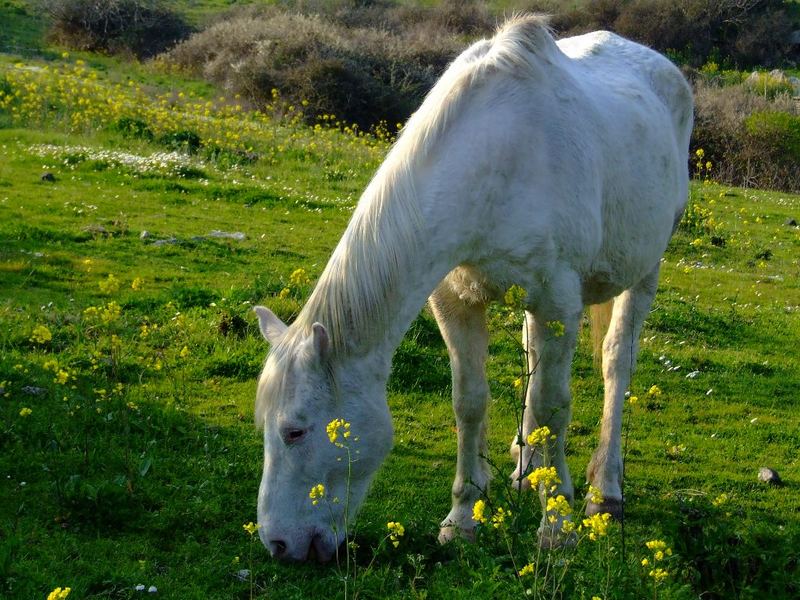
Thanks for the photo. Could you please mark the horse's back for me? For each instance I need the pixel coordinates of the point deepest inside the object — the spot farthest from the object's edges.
(613, 63)
(577, 160)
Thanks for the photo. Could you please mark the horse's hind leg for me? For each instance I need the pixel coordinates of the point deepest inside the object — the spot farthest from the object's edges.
(620, 348)
(463, 327)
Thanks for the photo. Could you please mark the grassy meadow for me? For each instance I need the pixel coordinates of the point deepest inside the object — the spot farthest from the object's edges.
(143, 214)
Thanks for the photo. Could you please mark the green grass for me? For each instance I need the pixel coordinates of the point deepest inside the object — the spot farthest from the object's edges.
(151, 484)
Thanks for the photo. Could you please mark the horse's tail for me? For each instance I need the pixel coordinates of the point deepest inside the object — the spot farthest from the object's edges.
(600, 318)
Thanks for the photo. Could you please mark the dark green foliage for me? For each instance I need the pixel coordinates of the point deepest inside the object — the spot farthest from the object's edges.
(184, 141)
(142, 28)
(135, 128)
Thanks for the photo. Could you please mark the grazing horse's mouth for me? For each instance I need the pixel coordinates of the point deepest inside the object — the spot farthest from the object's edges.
(320, 551)
(317, 550)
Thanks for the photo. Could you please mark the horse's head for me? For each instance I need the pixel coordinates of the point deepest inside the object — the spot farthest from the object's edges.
(302, 392)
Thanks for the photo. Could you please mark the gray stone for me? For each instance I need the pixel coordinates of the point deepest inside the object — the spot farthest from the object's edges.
(234, 235)
(48, 177)
(770, 476)
(32, 390)
(144, 235)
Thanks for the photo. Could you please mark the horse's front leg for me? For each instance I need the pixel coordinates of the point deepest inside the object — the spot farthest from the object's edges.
(551, 339)
(463, 328)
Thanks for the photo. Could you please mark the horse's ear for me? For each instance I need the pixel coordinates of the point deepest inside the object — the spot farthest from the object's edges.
(322, 341)
(272, 328)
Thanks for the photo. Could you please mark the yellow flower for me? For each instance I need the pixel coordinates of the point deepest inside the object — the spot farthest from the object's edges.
(659, 574)
(700, 153)
(299, 277)
(539, 436)
(396, 531)
(333, 429)
(62, 377)
(59, 593)
(317, 493)
(645, 562)
(110, 313)
(184, 352)
(251, 527)
(499, 517)
(545, 476)
(654, 391)
(558, 507)
(720, 500)
(137, 284)
(597, 525)
(656, 545)
(595, 495)
(596, 598)
(478, 510)
(284, 293)
(109, 285)
(25, 412)
(41, 334)
(526, 570)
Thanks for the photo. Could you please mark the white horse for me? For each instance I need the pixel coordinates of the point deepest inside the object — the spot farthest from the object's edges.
(560, 167)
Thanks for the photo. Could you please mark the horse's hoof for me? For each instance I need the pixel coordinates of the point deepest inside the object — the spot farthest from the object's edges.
(611, 506)
(448, 533)
(519, 483)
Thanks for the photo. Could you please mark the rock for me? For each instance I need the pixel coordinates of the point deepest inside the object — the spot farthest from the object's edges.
(777, 75)
(791, 222)
(48, 177)
(96, 230)
(32, 390)
(770, 476)
(166, 242)
(152, 589)
(243, 574)
(234, 235)
(139, 587)
(144, 235)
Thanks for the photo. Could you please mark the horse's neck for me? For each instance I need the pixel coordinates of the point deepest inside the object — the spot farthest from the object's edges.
(380, 275)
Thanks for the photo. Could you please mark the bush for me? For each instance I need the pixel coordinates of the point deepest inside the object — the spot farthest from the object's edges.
(752, 139)
(744, 34)
(361, 75)
(142, 28)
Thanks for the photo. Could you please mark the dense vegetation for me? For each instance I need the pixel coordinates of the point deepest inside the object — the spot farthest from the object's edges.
(143, 213)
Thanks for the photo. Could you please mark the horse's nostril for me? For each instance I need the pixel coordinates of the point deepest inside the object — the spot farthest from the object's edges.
(277, 548)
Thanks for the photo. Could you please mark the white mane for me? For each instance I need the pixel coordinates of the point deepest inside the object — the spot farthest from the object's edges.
(382, 237)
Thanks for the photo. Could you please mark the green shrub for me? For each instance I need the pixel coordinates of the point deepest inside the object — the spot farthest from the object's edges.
(142, 28)
(135, 128)
(778, 130)
(751, 139)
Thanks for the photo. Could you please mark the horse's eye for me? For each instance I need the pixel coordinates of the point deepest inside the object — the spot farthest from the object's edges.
(292, 435)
